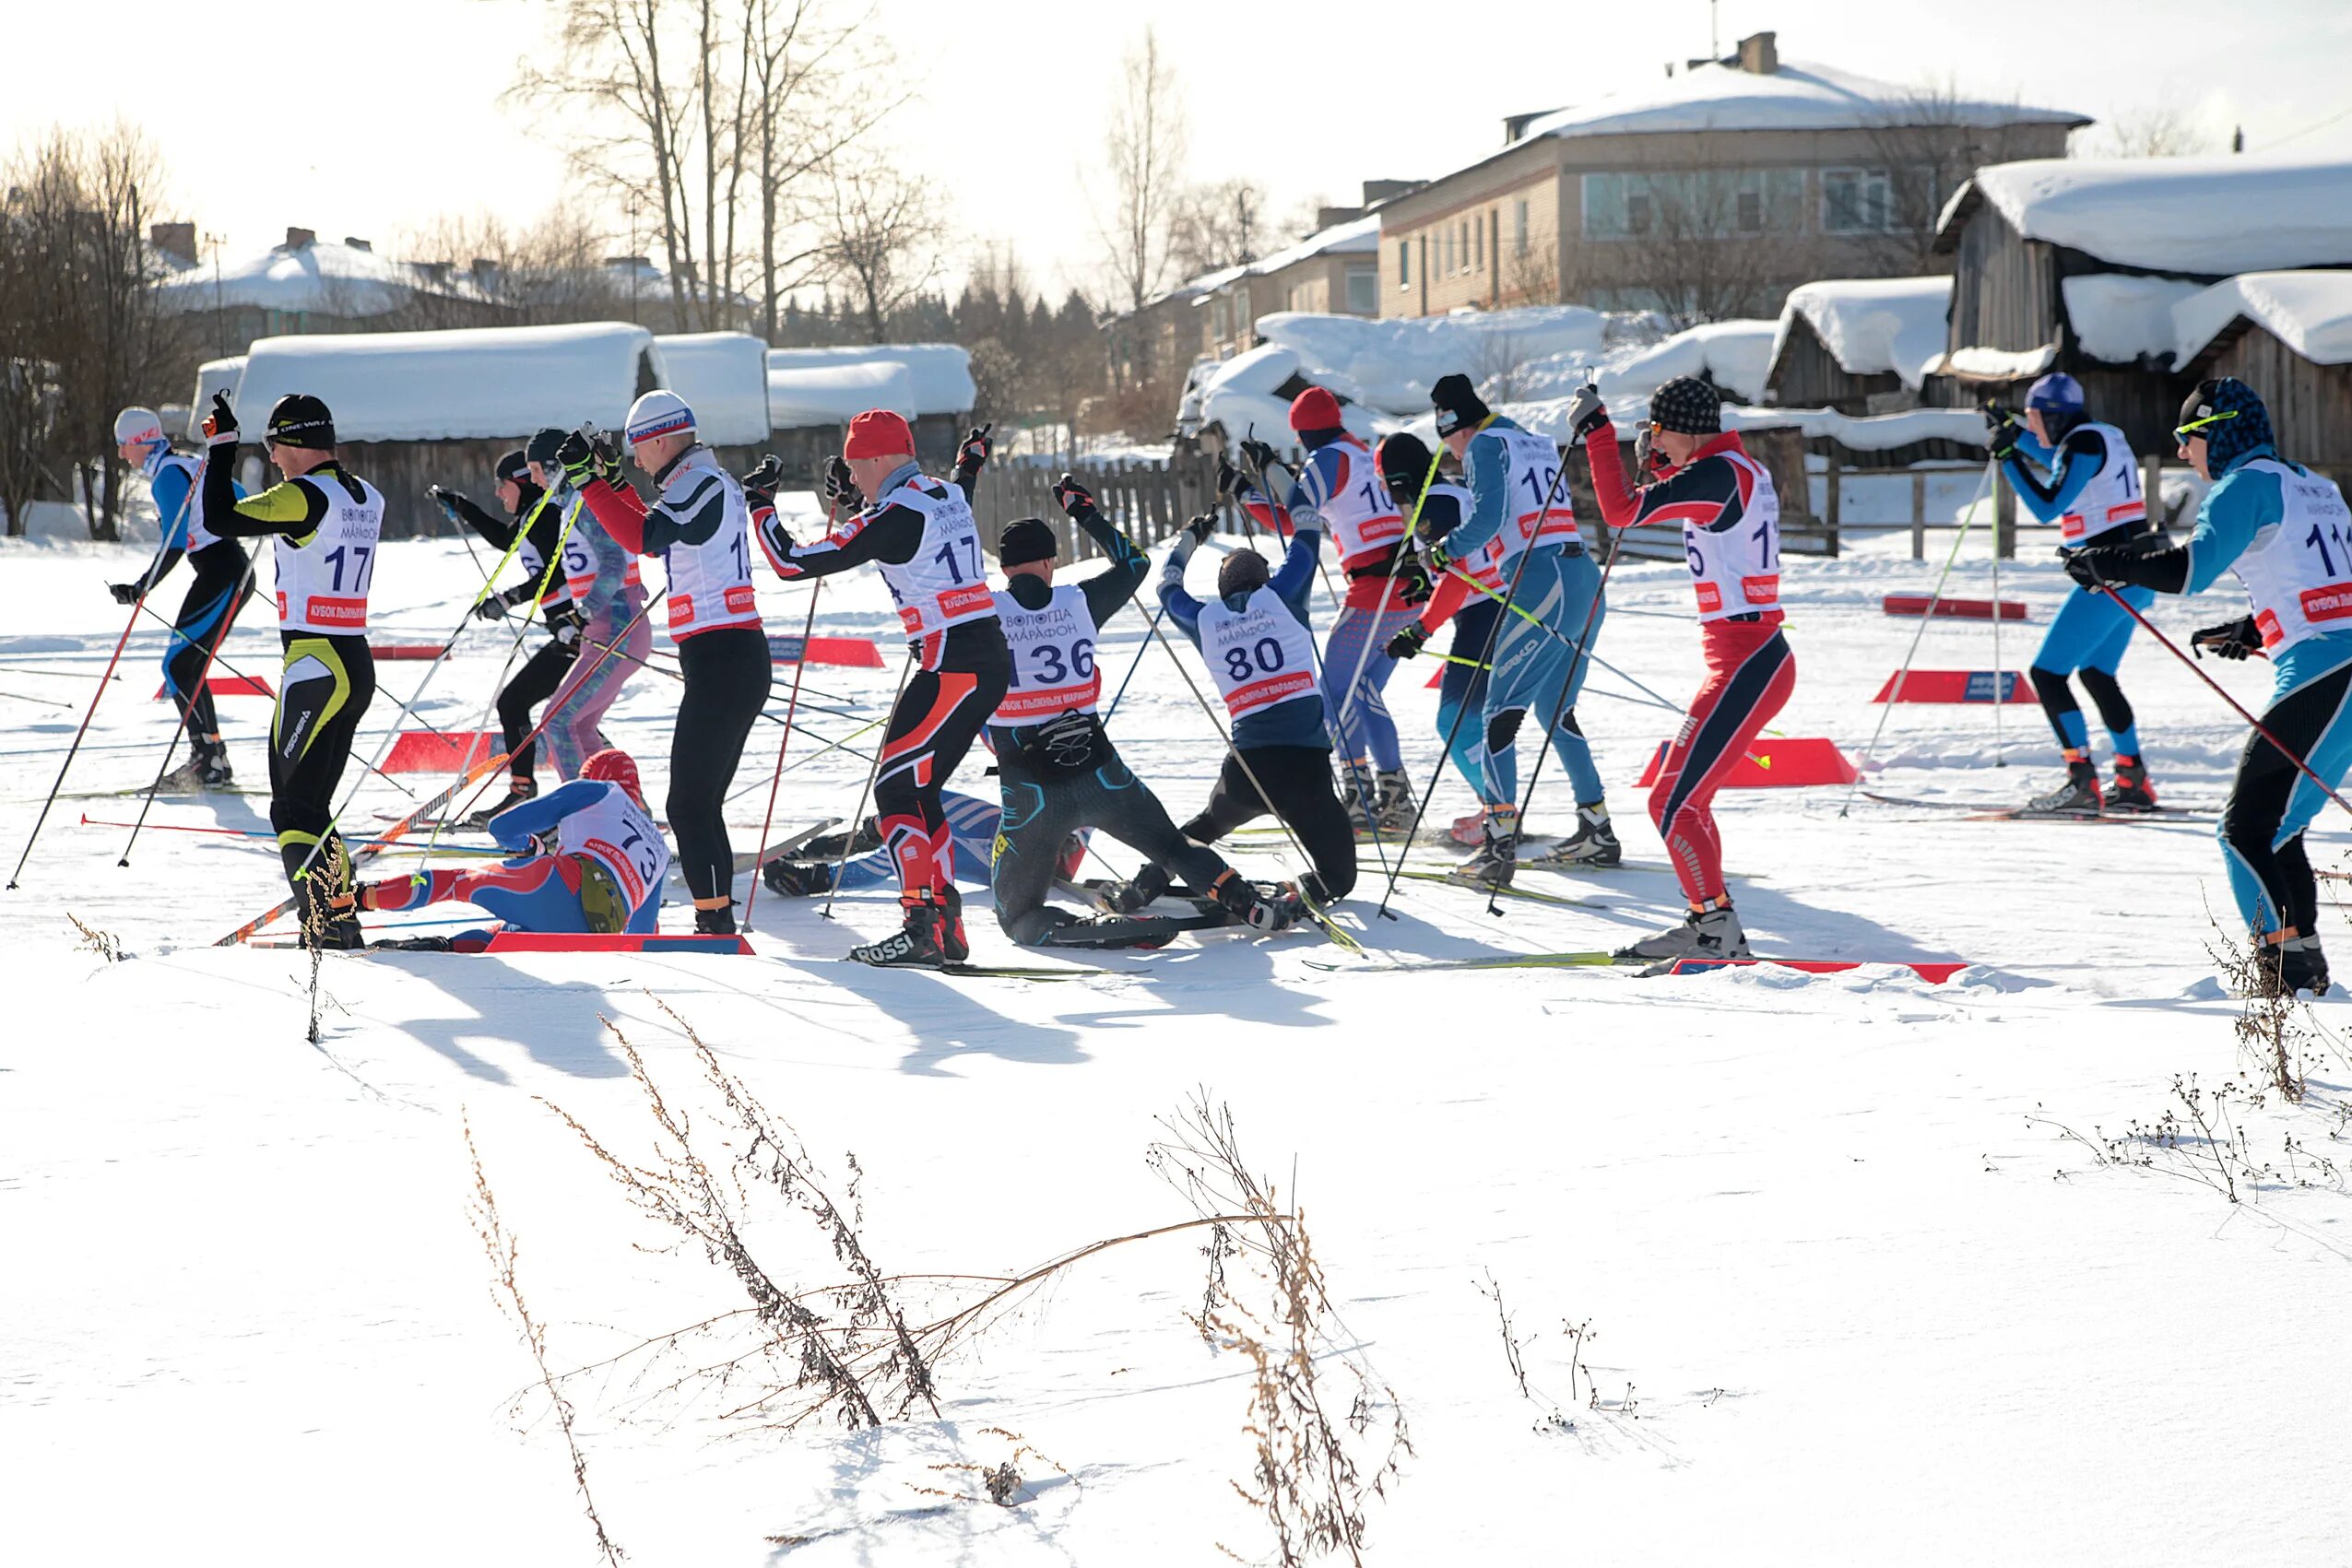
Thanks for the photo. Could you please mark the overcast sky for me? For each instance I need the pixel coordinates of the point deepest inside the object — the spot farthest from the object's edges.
(367, 118)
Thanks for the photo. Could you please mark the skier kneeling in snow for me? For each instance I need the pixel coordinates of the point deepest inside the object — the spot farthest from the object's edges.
(589, 860)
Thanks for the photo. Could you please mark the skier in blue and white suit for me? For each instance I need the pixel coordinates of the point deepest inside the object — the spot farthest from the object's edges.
(224, 581)
(2287, 533)
(2069, 469)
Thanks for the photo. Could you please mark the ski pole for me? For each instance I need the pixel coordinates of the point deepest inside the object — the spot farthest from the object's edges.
(776, 780)
(2260, 728)
(858, 818)
(2000, 688)
(1894, 692)
(44, 701)
(829, 746)
(228, 617)
(87, 714)
(90, 821)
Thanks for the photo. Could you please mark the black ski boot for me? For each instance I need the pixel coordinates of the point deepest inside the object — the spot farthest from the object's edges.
(2131, 791)
(1498, 853)
(953, 939)
(1362, 796)
(2079, 794)
(518, 790)
(1264, 907)
(916, 945)
(188, 776)
(841, 846)
(1141, 893)
(215, 773)
(1394, 808)
(1593, 844)
(796, 879)
(719, 922)
(2281, 969)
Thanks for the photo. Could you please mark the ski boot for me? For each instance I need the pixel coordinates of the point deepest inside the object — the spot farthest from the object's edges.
(1392, 806)
(1137, 894)
(718, 922)
(1593, 844)
(953, 939)
(916, 945)
(2079, 795)
(796, 879)
(1498, 853)
(330, 920)
(1263, 907)
(217, 773)
(1711, 933)
(841, 846)
(1362, 796)
(2131, 791)
(188, 776)
(1073, 857)
(2281, 969)
(519, 788)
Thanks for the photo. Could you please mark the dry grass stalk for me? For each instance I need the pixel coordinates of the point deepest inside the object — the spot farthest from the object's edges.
(105, 944)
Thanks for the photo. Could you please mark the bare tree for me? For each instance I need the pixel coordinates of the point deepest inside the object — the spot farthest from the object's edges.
(2160, 130)
(879, 242)
(1926, 145)
(1146, 143)
(1709, 252)
(1214, 227)
(550, 269)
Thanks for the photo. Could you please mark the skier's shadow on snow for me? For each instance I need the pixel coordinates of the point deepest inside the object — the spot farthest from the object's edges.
(565, 1028)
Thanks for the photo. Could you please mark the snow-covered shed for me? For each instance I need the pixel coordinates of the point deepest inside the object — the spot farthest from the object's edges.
(814, 393)
(723, 376)
(2288, 336)
(213, 375)
(2078, 264)
(309, 284)
(419, 409)
(1858, 344)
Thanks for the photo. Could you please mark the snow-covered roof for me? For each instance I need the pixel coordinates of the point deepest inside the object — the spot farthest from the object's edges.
(2205, 217)
(724, 378)
(1998, 364)
(1390, 365)
(324, 277)
(1241, 394)
(1735, 355)
(1872, 325)
(471, 385)
(213, 375)
(1359, 236)
(825, 386)
(1800, 96)
(2309, 312)
(2124, 317)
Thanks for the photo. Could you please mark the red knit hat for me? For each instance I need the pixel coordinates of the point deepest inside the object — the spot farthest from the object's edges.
(1315, 409)
(878, 433)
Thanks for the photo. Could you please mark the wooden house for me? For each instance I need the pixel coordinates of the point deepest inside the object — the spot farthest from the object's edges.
(2288, 336)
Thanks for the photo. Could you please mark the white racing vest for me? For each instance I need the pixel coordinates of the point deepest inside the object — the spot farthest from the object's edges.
(616, 833)
(1259, 656)
(944, 584)
(2299, 569)
(1487, 565)
(323, 583)
(710, 584)
(2112, 499)
(534, 565)
(1362, 520)
(1738, 569)
(1534, 474)
(1053, 658)
(199, 536)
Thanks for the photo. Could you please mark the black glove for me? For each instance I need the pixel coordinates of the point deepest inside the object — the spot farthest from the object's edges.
(840, 489)
(1202, 527)
(1074, 498)
(446, 499)
(129, 592)
(2105, 566)
(565, 621)
(975, 451)
(2100, 567)
(1412, 578)
(1408, 642)
(2000, 431)
(608, 459)
(577, 458)
(1257, 456)
(2232, 640)
(759, 484)
(544, 841)
(1586, 414)
(492, 608)
(1231, 481)
(220, 425)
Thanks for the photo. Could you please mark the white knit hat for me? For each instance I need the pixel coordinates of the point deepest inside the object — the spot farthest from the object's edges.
(138, 427)
(658, 413)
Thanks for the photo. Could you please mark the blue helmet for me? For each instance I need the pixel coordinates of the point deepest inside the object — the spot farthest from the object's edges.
(2056, 392)
(2231, 417)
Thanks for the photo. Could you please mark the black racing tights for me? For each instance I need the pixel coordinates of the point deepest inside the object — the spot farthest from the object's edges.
(727, 682)
(1297, 781)
(537, 681)
(328, 682)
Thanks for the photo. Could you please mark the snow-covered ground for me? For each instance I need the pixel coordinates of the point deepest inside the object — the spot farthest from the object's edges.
(1852, 1295)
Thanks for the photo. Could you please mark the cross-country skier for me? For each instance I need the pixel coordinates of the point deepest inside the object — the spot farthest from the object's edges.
(1254, 637)
(921, 535)
(701, 528)
(2092, 493)
(1547, 603)
(533, 533)
(587, 859)
(2287, 533)
(325, 524)
(223, 582)
(1731, 520)
(609, 587)
(1060, 773)
(1338, 491)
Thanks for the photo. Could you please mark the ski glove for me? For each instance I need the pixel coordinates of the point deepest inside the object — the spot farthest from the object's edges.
(220, 425)
(129, 592)
(1408, 642)
(1257, 454)
(1586, 414)
(840, 489)
(1231, 481)
(973, 454)
(1645, 460)
(565, 623)
(2000, 432)
(1202, 527)
(446, 499)
(577, 458)
(492, 608)
(1074, 498)
(759, 484)
(1413, 577)
(2107, 566)
(2232, 640)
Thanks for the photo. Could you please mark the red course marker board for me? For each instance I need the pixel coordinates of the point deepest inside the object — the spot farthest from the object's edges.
(1952, 609)
(405, 650)
(229, 686)
(858, 652)
(1957, 686)
(422, 751)
(622, 942)
(1777, 765)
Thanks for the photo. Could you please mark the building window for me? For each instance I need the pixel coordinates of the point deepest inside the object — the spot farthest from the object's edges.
(1519, 228)
(1856, 201)
(1694, 204)
(1750, 214)
(1405, 264)
(1479, 243)
(1364, 292)
(1638, 212)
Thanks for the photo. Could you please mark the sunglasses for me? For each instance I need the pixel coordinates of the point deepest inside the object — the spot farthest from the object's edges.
(2181, 433)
